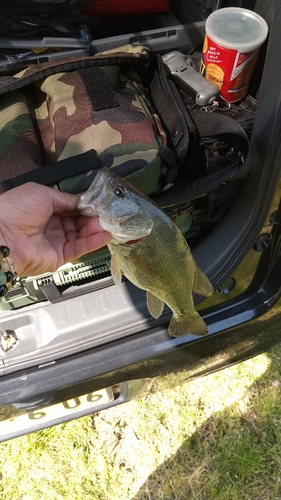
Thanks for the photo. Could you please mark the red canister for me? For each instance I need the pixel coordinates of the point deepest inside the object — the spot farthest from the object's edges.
(231, 46)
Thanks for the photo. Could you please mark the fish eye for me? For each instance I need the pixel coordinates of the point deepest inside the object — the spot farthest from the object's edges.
(119, 191)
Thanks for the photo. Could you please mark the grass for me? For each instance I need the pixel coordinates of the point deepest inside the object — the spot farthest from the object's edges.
(215, 438)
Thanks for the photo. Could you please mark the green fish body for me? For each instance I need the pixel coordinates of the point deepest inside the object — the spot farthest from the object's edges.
(149, 249)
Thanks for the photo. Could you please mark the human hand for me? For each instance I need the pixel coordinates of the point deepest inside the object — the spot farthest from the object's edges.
(43, 231)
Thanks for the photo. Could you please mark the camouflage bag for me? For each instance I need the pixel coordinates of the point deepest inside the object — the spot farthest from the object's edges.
(62, 120)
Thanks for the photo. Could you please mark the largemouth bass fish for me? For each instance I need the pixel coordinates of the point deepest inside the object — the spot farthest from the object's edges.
(148, 248)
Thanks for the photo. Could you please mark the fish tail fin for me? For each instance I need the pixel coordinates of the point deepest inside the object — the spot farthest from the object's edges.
(190, 323)
(202, 284)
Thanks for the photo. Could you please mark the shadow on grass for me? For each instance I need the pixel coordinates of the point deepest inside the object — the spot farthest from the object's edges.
(234, 455)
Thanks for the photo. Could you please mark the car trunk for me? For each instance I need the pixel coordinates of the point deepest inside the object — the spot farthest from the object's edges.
(77, 309)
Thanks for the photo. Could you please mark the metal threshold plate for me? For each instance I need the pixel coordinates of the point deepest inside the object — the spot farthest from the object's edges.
(55, 414)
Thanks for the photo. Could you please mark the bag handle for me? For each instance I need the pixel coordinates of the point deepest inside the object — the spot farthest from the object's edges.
(43, 70)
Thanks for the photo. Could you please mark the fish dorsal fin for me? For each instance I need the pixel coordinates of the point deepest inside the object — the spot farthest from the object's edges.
(201, 283)
(115, 271)
(154, 305)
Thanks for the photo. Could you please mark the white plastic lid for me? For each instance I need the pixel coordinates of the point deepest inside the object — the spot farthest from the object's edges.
(236, 29)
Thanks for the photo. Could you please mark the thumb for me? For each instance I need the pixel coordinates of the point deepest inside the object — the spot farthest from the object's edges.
(61, 202)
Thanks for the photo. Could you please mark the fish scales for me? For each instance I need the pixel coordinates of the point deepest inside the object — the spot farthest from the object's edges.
(153, 264)
(149, 249)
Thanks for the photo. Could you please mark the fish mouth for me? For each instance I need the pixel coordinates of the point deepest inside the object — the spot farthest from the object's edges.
(86, 210)
(89, 201)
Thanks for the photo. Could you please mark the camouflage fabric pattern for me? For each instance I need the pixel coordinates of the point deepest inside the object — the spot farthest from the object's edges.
(70, 112)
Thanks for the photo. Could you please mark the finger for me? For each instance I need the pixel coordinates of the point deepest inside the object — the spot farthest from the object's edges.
(88, 225)
(80, 226)
(81, 246)
(61, 202)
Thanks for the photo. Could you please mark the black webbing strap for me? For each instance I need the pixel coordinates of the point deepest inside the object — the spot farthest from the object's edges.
(168, 108)
(56, 172)
(212, 124)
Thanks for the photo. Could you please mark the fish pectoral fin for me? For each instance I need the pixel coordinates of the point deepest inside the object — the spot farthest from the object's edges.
(154, 305)
(191, 323)
(202, 284)
(115, 271)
